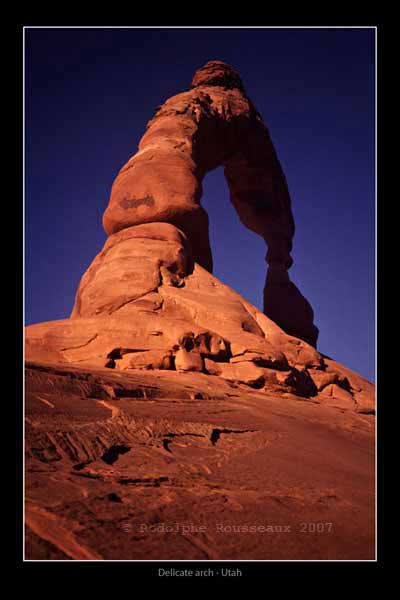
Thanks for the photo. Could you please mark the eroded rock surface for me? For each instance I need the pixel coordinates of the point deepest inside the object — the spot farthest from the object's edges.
(213, 124)
(144, 304)
(116, 459)
(167, 398)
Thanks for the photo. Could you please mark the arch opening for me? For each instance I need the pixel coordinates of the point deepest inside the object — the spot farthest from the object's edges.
(215, 124)
(238, 254)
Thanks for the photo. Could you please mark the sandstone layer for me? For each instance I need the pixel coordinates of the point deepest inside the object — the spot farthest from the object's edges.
(213, 124)
(156, 465)
(144, 304)
(167, 400)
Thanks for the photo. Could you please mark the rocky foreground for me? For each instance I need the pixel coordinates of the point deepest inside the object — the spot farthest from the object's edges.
(167, 465)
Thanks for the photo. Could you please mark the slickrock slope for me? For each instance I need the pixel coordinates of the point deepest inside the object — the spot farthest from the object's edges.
(168, 400)
(115, 458)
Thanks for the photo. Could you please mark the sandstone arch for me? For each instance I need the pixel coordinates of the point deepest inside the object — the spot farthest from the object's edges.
(214, 124)
(166, 387)
(145, 303)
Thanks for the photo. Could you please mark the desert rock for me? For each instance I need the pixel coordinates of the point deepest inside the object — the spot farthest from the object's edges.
(188, 361)
(128, 314)
(113, 458)
(215, 123)
(167, 397)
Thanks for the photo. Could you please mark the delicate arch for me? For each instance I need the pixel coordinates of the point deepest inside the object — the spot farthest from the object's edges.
(214, 124)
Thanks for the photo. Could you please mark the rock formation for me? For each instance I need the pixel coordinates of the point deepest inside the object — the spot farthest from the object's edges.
(183, 384)
(192, 133)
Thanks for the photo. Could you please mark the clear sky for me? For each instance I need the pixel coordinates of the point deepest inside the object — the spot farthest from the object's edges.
(89, 95)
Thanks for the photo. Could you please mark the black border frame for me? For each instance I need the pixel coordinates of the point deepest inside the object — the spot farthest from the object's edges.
(148, 570)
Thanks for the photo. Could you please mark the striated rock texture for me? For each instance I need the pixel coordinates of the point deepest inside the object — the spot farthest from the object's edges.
(214, 124)
(168, 400)
(166, 465)
(145, 304)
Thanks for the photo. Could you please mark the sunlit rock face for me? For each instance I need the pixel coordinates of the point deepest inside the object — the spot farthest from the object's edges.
(167, 397)
(213, 124)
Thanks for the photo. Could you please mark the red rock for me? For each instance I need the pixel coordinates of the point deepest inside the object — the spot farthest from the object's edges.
(166, 397)
(152, 359)
(334, 395)
(188, 361)
(273, 359)
(243, 372)
(212, 367)
(132, 265)
(193, 132)
(142, 298)
(160, 448)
